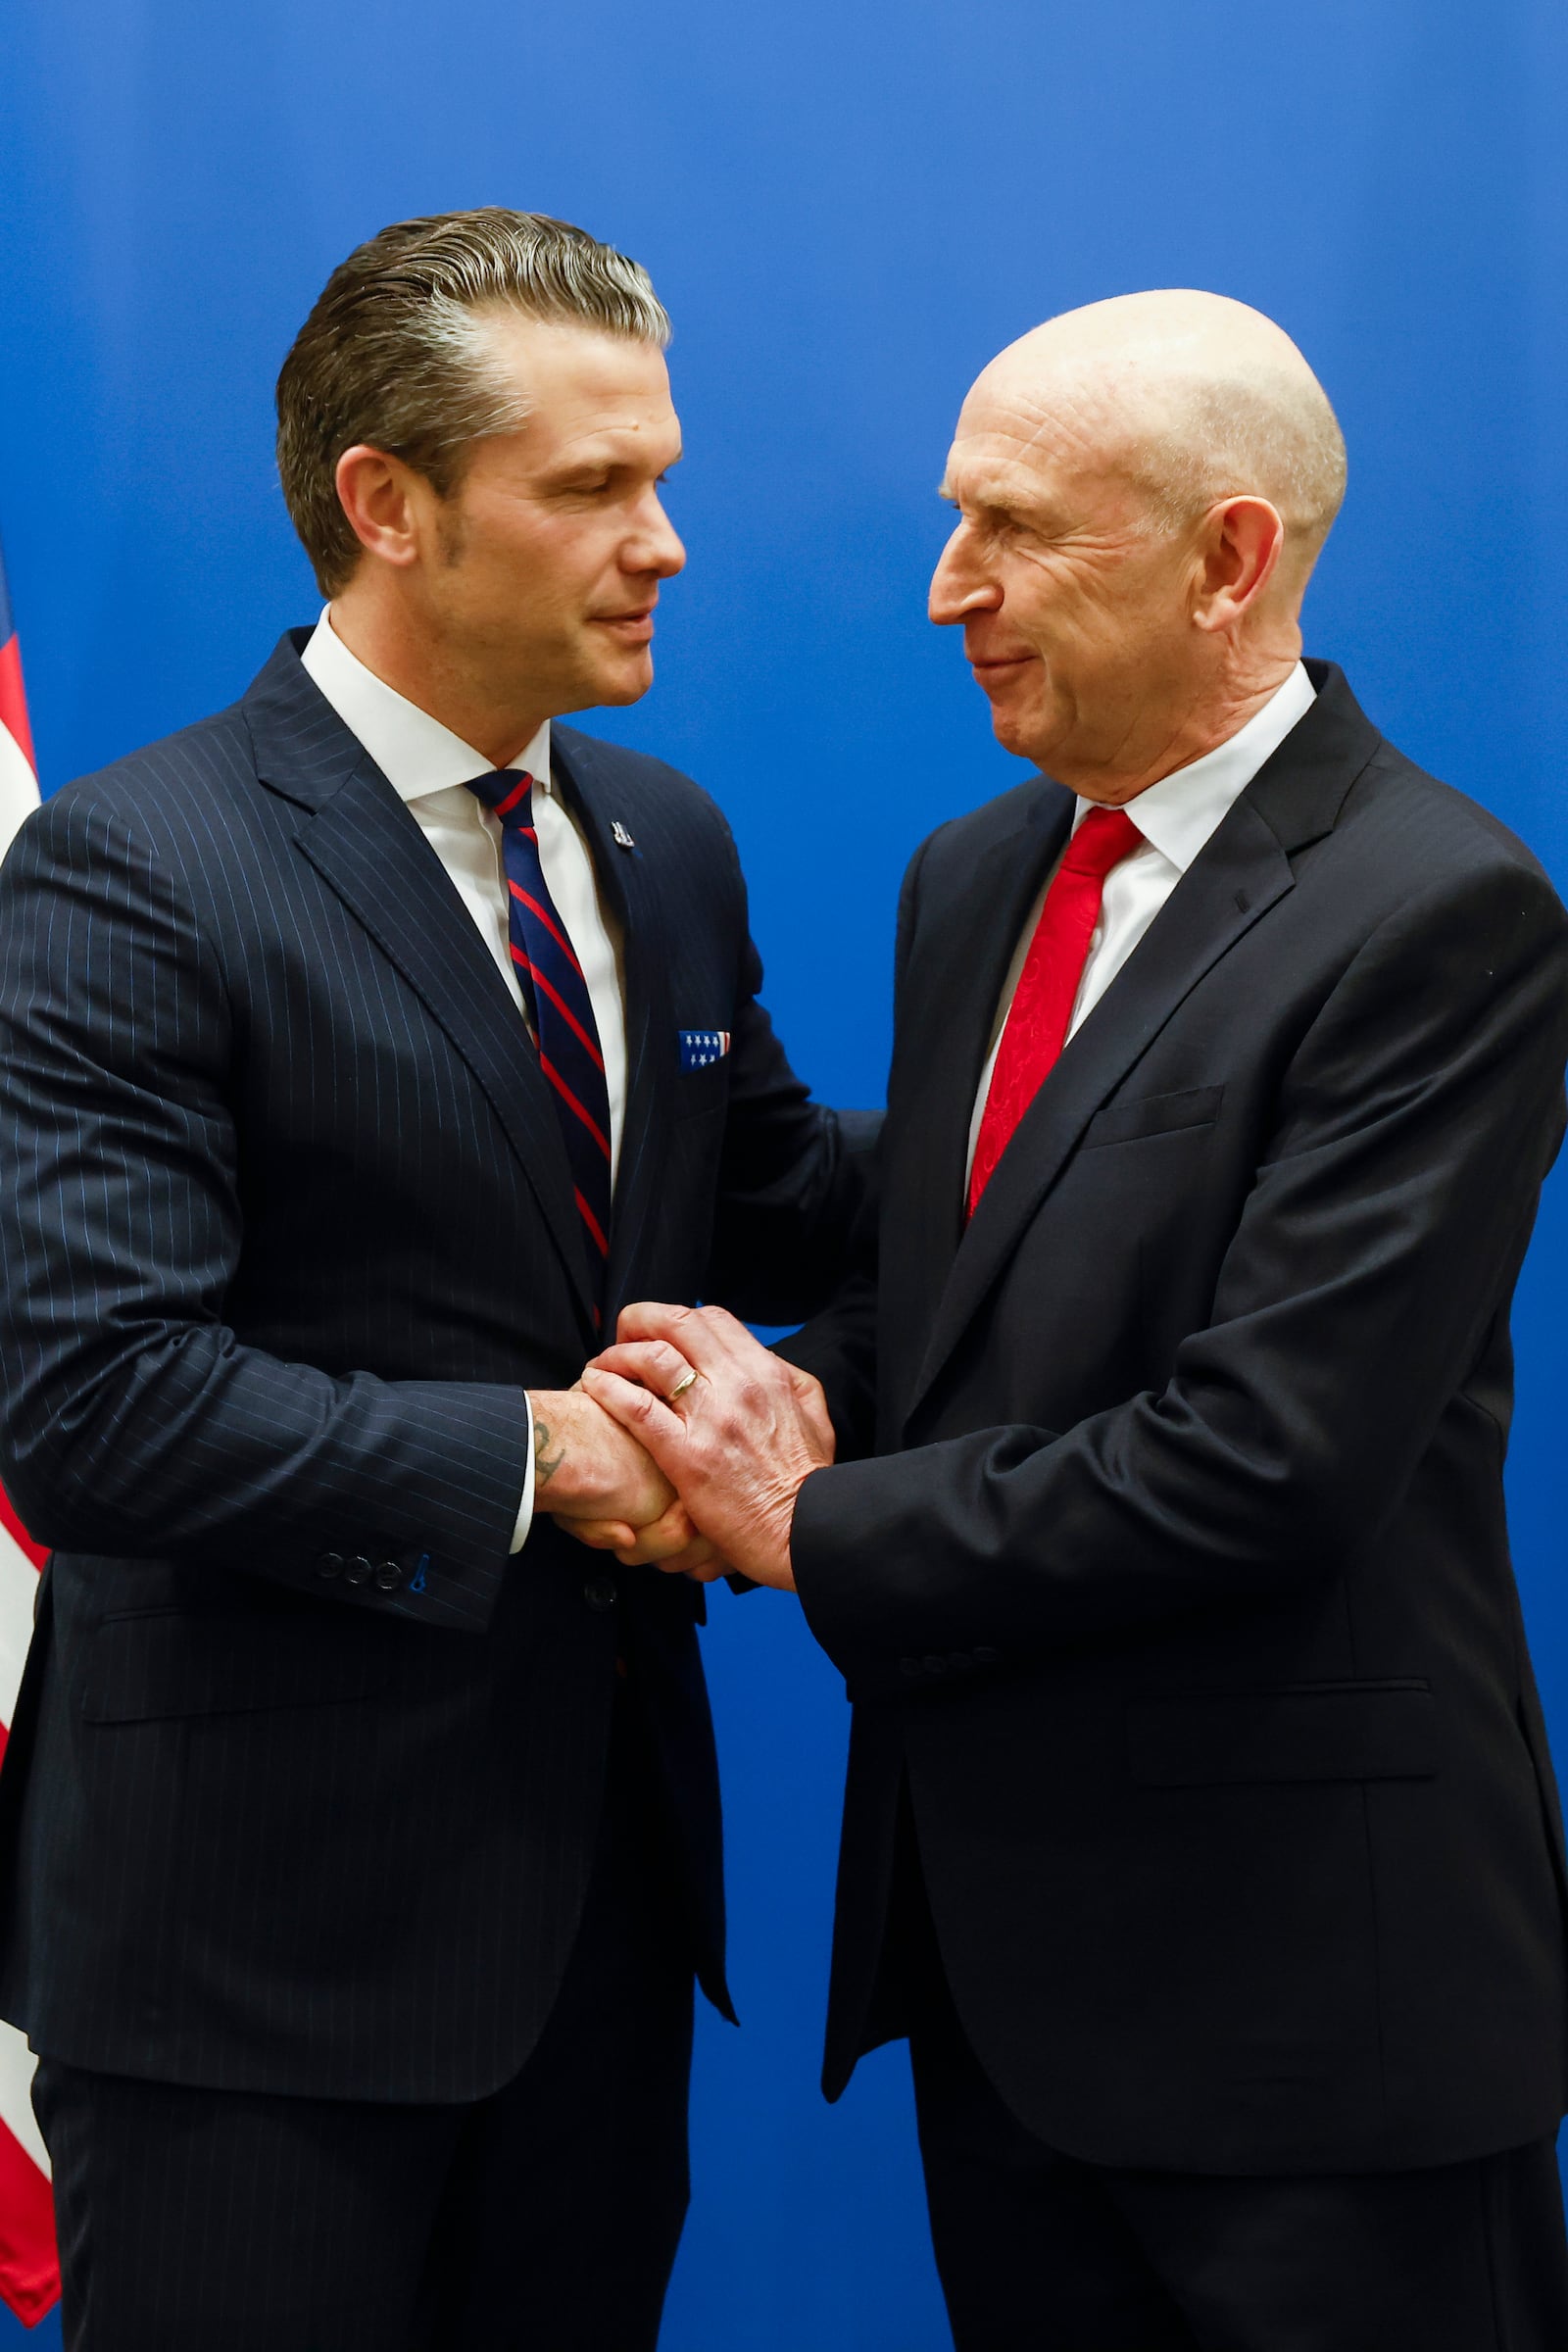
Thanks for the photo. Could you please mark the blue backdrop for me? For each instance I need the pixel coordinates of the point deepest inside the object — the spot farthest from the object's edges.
(848, 208)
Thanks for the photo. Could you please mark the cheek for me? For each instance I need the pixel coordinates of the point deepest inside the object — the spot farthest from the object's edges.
(1098, 624)
(1051, 608)
(537, 560)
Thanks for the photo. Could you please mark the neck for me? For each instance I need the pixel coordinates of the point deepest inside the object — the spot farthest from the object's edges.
(416, 660)
(1189, 733)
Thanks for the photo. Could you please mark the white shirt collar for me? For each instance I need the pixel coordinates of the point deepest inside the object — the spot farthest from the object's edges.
(1178, 814)
(415, 752)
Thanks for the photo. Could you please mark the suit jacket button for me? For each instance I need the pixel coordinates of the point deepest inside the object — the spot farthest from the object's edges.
(911, 1666)
(987, 1658)
(389, 1576)
(936, 1665)
(357, 1571)
(330, 1563)
(600, 1591)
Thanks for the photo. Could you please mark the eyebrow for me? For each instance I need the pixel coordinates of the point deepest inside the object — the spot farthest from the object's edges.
(1012, 500)
(987, 503)
(578, 469)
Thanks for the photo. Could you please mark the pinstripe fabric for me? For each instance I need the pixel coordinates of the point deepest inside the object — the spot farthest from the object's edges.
(286, 1229)
(546, 2217)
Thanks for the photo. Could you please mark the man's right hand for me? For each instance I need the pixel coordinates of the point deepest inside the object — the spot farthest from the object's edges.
(589, 1471)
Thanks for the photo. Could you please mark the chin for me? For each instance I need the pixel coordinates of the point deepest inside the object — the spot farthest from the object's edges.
(1015, 735)
(622, 686)
(1026, 734)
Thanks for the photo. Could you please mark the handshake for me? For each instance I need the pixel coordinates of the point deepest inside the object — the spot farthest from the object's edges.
(683, 1445)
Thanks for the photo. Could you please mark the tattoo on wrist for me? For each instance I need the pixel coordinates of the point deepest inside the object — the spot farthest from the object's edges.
(545, 1463)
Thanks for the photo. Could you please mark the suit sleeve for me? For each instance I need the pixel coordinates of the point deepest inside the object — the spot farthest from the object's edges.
(1391, 1210)
(838, 1348)
(133, 1420)
(839, 1345)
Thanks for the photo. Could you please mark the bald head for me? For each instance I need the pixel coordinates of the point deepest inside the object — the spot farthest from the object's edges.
(1143, 489)
(1195, 398)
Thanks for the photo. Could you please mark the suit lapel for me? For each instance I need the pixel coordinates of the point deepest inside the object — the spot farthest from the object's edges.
(368, 848)
(1243, 872)
(951, 1011)
(626, 878)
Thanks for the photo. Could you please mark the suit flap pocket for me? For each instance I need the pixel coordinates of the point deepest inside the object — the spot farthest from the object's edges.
(1305, 1731)
(1154, 1114)
(184, 1663)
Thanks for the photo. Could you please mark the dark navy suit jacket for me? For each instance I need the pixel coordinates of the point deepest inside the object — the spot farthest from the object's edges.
(286, 1230)
(1175, 1581)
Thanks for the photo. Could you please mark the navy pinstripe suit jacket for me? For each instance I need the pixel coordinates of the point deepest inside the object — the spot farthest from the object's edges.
(285, 1231)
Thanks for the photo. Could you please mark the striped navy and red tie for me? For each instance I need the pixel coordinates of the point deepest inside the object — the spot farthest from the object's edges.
(559, 1006)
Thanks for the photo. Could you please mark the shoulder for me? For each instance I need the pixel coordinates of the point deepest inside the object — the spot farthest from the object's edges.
(1440, 825)
(944, 862)
(1423, 914)
(1430, 847)
(166, 786)
(1034, 802)
(166, 828)
(602, 768)
(669, 820)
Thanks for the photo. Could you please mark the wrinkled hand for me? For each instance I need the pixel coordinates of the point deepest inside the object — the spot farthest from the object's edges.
(737, 1445)
(594, 1477)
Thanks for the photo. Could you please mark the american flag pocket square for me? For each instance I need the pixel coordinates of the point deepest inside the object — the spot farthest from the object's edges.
(700, 1047)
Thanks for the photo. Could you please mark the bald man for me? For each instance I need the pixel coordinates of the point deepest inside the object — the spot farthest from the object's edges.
(1200, 1829)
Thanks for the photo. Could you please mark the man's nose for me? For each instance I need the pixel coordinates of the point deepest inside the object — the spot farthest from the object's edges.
(655, 545)
(959, 585)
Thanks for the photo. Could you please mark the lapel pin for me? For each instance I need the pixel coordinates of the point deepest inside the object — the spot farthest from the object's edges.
(620, 836)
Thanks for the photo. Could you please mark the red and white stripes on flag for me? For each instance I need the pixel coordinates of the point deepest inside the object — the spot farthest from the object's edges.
(18, 775)
(29, 2270)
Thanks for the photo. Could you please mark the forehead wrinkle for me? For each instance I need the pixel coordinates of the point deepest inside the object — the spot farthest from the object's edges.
(1066, 422)
(1189, 397)
(620, 437)
(1069, 478)
(990, 482)
(1100, 424)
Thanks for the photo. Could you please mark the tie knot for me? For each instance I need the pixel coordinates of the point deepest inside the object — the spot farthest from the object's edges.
(506, 792)
(1105, 838)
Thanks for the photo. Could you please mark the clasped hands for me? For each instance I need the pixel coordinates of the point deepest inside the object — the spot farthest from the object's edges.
(683, 1445)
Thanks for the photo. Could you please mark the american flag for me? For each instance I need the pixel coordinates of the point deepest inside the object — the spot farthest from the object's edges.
(30, 2271)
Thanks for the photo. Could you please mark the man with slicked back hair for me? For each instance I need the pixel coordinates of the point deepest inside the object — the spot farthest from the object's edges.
(362, 1049)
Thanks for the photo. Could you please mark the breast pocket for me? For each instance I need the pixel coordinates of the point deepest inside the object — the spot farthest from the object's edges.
(1154, 1114)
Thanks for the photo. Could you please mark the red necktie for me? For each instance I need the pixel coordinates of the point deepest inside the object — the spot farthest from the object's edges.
(1048, 986)
(556, 995)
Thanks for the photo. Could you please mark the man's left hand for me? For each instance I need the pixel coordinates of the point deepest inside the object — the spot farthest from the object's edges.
(737, 1441)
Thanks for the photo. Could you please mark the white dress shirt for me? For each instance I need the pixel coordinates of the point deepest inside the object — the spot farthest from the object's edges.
(1176, 818)
(429, 767)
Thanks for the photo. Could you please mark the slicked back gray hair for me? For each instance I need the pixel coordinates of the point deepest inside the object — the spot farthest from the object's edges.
(395, 352)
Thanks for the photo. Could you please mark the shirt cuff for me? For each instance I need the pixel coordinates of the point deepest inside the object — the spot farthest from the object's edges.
(520, 1534)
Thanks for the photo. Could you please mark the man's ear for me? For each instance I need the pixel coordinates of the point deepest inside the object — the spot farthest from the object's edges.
(1241, 542)
(379, 495)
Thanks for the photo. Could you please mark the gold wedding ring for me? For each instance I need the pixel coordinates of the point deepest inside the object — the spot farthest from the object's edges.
(687, 1380)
